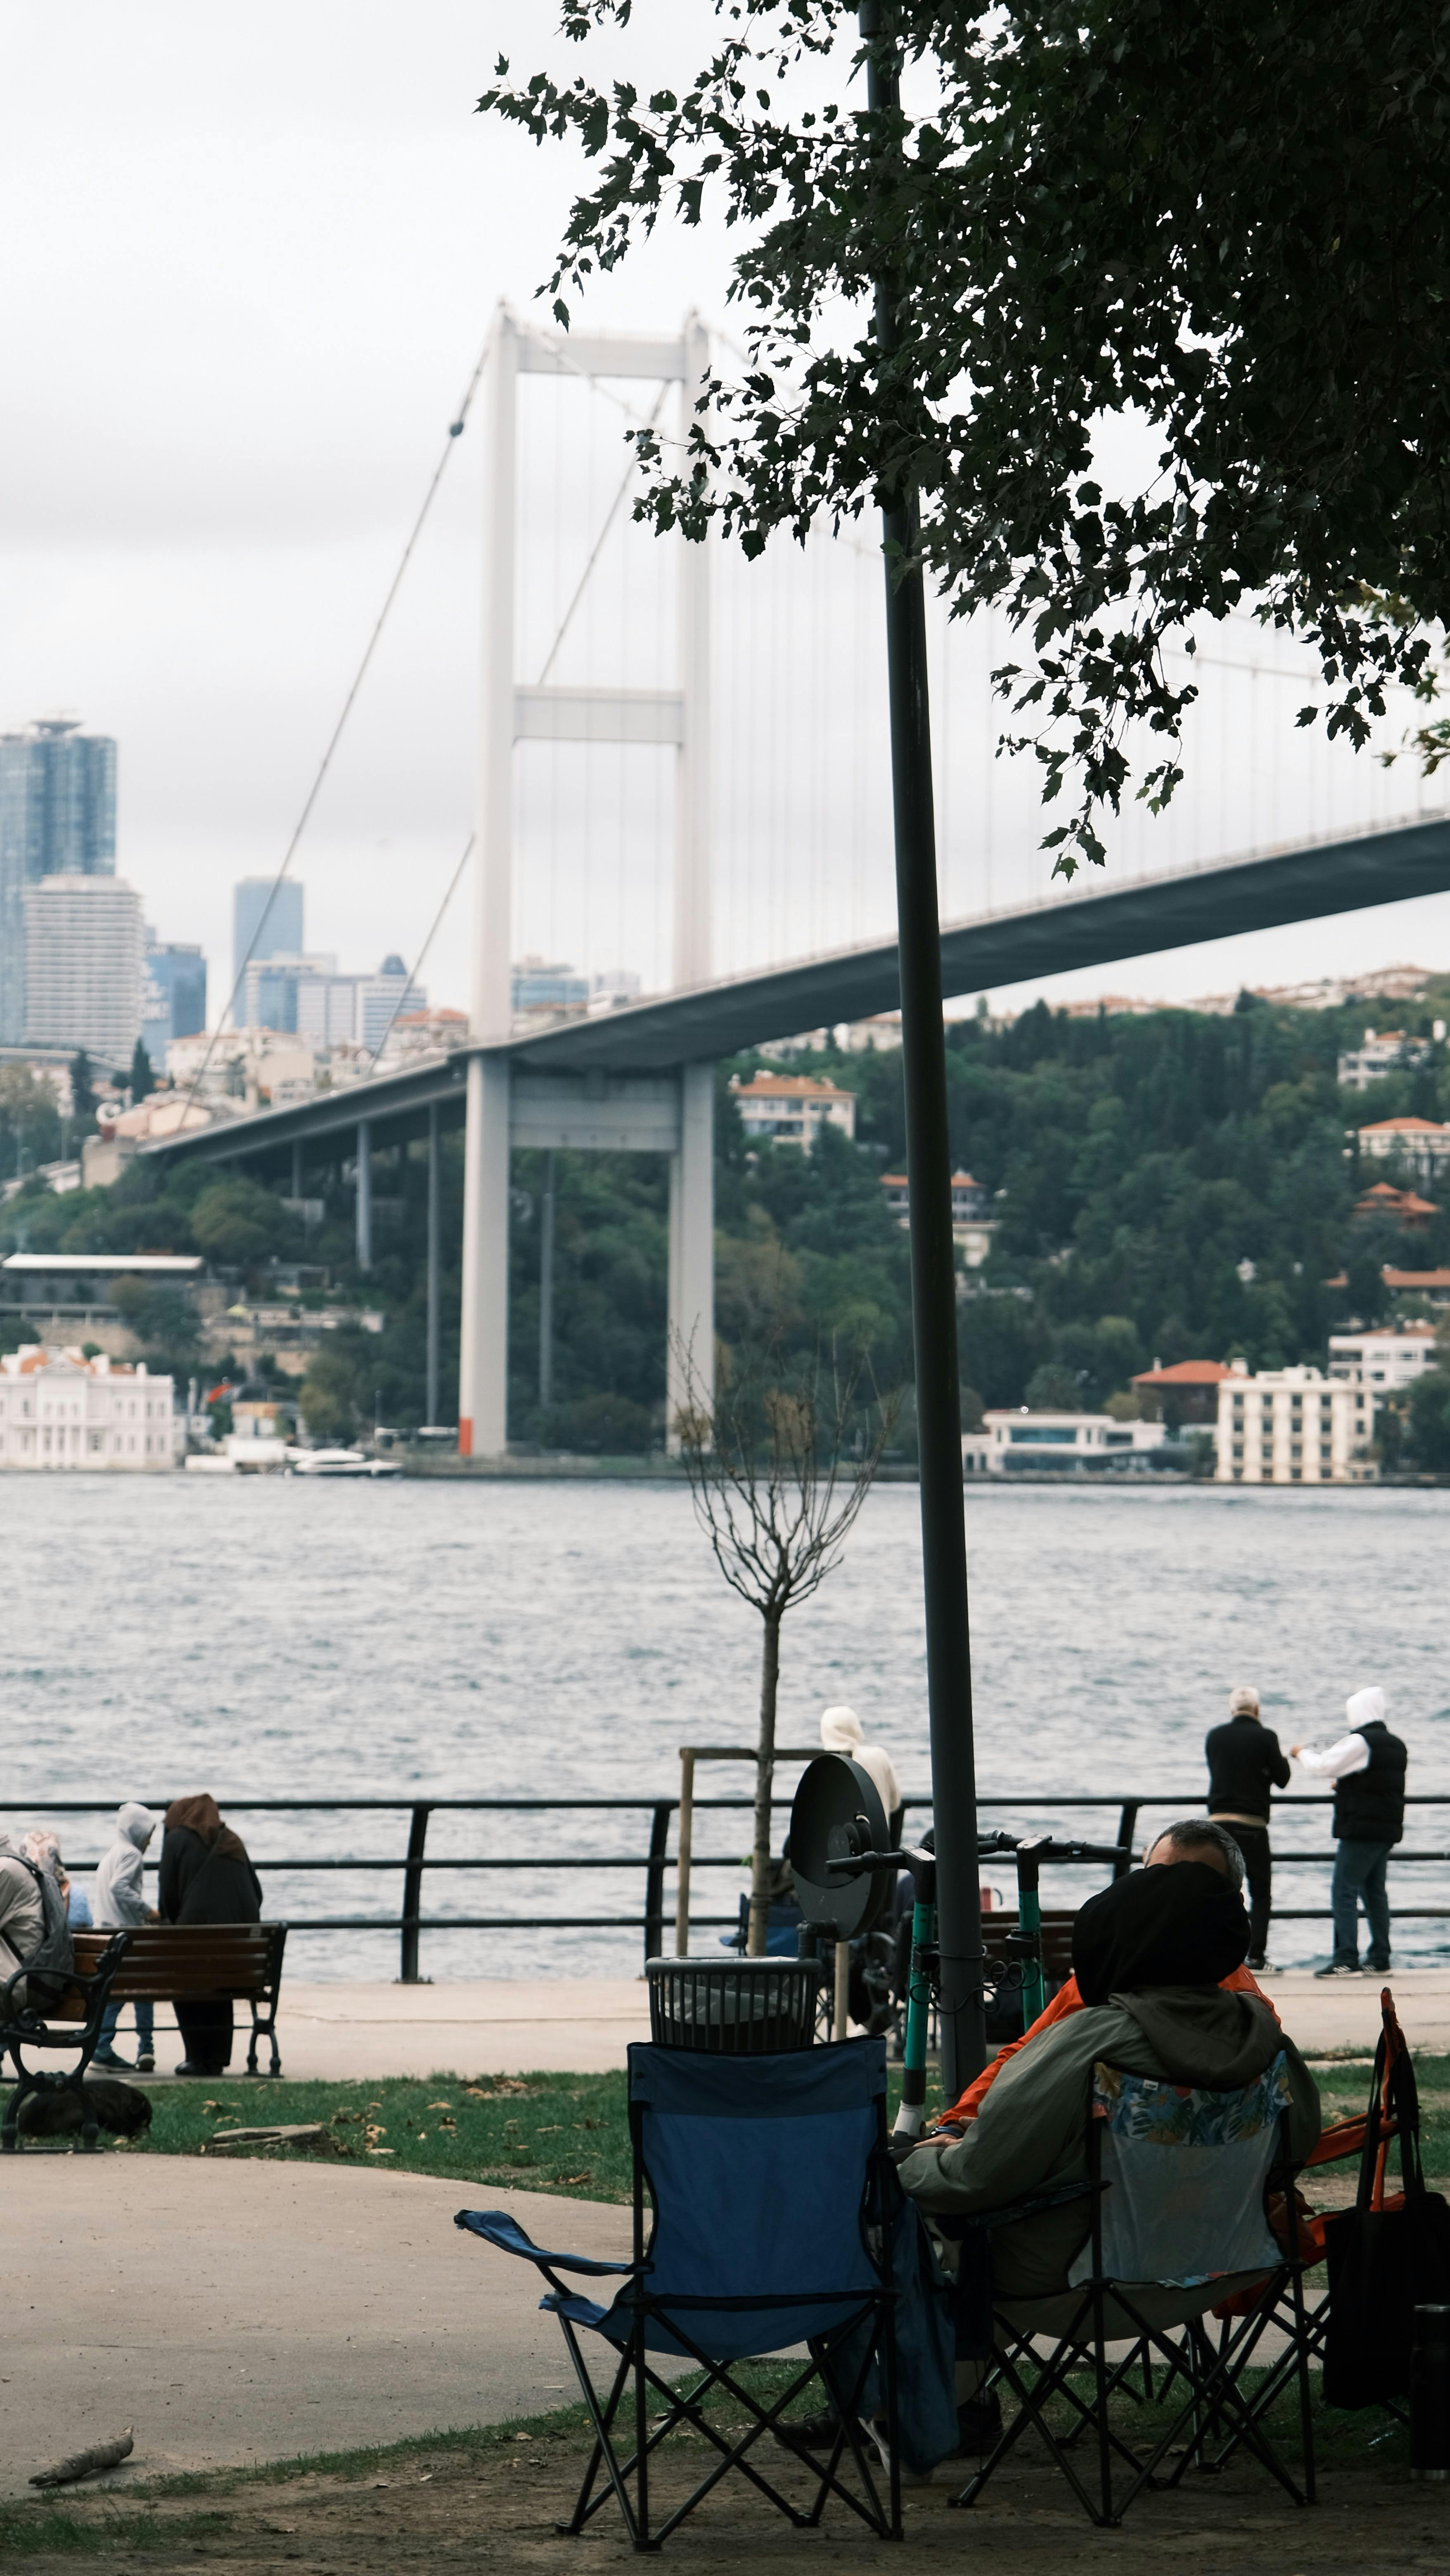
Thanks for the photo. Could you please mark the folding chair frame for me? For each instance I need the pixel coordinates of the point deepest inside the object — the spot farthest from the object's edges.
(1215, 2405)
(685, 2406)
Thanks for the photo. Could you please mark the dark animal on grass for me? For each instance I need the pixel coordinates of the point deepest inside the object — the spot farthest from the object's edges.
(122, 2108)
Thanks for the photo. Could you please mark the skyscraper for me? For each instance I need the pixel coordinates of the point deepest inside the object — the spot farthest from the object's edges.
(57, 819)
(173, 994)
(265, 929)
(83, 966)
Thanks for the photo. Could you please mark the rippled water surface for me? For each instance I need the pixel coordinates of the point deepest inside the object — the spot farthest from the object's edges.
(270, 1639)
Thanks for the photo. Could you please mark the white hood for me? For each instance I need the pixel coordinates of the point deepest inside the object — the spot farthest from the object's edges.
(119, 1902)
(842, 1732)
(1365, 1708)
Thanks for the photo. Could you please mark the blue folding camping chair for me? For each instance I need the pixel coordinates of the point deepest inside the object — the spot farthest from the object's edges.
(771, 2190)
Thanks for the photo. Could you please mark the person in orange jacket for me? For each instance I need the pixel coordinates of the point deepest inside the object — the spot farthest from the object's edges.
(1195, 1838)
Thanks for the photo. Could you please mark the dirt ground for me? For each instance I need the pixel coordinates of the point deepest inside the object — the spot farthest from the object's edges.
(497, 2506)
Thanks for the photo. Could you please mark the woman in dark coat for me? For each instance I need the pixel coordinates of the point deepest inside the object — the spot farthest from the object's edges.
(206, 1877)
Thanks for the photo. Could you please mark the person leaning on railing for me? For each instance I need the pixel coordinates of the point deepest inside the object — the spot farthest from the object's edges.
(1368, 1767)
(1244, 1764)
(1193, 1838)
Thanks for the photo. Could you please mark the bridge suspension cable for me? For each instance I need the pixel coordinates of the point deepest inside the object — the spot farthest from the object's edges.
(456, 428)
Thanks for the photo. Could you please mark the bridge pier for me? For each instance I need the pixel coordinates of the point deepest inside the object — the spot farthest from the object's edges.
(430, 1399)
(364, 1194)
(690, 1350)
(671, 1114)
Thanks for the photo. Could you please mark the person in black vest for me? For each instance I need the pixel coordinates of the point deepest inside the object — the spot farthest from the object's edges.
(1367, 1767)
(1244, 1764)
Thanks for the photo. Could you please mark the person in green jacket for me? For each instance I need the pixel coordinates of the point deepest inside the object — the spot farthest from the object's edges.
(1149, 1954)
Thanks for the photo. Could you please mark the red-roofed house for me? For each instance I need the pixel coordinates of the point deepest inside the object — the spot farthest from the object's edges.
(1189, 1386)
(1403, 1206)
(1422, 1145)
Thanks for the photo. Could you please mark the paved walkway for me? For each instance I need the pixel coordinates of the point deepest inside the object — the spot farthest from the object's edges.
(503, 2027)
(252, 2311)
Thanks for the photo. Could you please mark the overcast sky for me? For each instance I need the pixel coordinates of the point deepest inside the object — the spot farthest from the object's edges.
(250, 257)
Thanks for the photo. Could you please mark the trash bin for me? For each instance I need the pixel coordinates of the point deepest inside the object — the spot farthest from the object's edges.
(733, 2007)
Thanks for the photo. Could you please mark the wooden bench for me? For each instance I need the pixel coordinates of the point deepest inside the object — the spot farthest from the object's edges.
(1056, 1945)
(52, 2024)
(195, 1963)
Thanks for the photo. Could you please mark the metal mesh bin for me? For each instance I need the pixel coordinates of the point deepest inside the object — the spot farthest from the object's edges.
(733, 2007)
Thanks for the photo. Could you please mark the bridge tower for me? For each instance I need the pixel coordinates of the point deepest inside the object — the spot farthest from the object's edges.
(507, 1104)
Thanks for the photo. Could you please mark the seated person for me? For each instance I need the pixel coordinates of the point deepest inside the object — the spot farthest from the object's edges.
(1150, 1956)
(1195, 1838)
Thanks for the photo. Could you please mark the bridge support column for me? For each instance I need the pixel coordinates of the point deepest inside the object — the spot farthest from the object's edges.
(297, 1170)
(483, 1344)
(691, 1352)
(364, 1194)
(430, 1398)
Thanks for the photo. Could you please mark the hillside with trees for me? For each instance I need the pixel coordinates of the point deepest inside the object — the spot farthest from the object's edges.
(1168, 1186)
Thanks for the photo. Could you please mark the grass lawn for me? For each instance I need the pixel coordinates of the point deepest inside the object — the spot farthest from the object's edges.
(553, 2133)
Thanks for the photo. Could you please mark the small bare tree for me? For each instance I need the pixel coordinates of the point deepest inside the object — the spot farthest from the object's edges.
(779, 1467)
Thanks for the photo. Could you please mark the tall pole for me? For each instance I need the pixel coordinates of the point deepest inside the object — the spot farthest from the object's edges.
(546, 1288)
(933, 1280)
(430, 1399)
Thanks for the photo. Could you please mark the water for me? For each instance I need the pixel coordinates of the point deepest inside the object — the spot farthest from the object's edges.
(270, 1638)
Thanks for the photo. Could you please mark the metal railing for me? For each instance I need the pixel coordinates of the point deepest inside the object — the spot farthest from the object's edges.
(654, 1860)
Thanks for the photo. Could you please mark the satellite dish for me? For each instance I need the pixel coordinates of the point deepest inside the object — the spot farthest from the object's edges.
(837, 1811)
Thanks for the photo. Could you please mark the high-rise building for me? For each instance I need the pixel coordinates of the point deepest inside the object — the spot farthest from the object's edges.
(173, 993)
(379, 997)
(57, 818)
(83, 966)
(270, 988)
(266, 920)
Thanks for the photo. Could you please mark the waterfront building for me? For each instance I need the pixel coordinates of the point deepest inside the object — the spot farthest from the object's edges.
(59, 1410)
(1019, 1440)
(173, 993)
(1420, 1145)
(57, 818)
(1294, 1427)
(266, 920)
(1392, 1356)
(83, 965)
(1388, 1051)
(1189, 1388)
(791, 1108)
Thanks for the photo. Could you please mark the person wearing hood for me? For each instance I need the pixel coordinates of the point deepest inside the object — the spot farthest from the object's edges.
(1149, 1955)
(206, 1877)
(1368, 1767)
(120, 1906)
(22, 1921)
(842, 1732)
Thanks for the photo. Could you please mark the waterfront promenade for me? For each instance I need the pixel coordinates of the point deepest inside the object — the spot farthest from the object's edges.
(505, 2026)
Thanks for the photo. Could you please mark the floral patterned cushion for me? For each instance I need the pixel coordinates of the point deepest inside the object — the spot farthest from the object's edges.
(1185, 2171)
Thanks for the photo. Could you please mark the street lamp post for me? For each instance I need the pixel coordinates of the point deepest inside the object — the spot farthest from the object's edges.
(933, 1275)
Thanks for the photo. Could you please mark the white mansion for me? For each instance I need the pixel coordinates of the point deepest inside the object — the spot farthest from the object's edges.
(59, 1409)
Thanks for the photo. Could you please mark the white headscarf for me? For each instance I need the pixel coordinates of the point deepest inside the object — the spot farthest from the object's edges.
(841, 1733)
(1365, 1708)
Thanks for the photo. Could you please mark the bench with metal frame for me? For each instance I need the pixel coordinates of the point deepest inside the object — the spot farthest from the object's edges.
(196, 1963)
(70, 2020)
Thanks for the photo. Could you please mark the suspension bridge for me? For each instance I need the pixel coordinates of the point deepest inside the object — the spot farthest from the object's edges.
(640, 1078)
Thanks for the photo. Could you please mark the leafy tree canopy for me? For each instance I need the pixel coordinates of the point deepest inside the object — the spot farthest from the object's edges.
(1226, 222)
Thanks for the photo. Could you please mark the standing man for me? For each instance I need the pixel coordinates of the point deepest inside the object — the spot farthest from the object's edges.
(1367, 1767)
(1244, 1763)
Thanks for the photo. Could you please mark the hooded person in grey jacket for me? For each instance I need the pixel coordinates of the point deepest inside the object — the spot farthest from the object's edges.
(1148, 1954)
(120, 1905)
(22, 1922)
